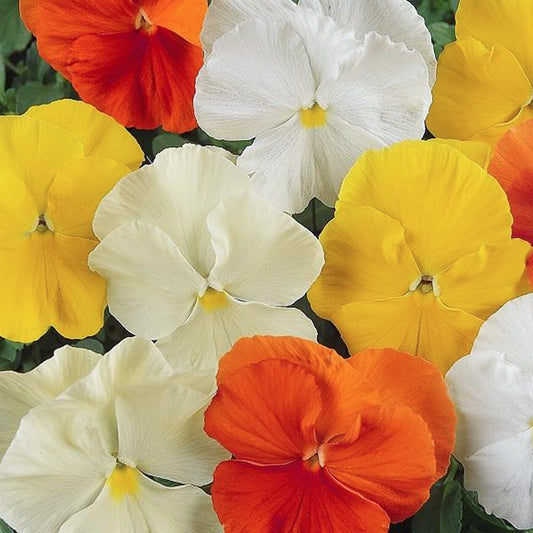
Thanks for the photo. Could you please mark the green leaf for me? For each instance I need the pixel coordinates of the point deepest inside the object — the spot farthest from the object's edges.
(37, 68)
(2, 79)
(442, 33)
(480, 519)
(13, 34)
(91, 344)
(9, 350)
(443, 512)
(35, 93)
(167, 140)
(315, 216)
(4, 528)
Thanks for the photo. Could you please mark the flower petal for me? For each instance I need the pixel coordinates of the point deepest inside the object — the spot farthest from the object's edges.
(416, 323)
(224, 15)
(160, 431)
(490, 409)
(206, 336)
(262, 254)
(509, 331)
(266, 413)
(151, 287)
(500, 267)
(417, 384)
(477, 151)
(477, 88)
(393, 106)
(248, 497)
(367, 258)
(257, 78)
(463, 206)
(396, 19)
(101, 135)
(381, 462)
(22, 392)
(175, 193)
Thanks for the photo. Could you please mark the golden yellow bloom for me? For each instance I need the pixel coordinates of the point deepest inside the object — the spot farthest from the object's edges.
(484, 79)
(56, 163)
(419, 253)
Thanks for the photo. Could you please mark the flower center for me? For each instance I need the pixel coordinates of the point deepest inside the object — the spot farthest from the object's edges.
(313, 117)
(212, 300)
(143, 23)
(43, 224)
(425, 284)
(315, 462)
(123, 481)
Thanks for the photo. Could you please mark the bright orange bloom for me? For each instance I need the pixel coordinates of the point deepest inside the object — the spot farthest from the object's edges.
(135, 60)
(512, 166)
(325, 444)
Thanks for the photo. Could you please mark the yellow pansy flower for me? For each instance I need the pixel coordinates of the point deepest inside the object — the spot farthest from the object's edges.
(56, 163)
(419, 253)
(484, 79)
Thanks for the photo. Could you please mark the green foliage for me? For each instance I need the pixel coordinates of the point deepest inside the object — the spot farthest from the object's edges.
(4, 528)
(15, 36)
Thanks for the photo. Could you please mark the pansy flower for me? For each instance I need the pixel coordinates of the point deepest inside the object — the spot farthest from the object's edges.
(484, 79)
(313, 92)
(57, 162)
(320, 443)
(195, 259)
(419, 253)
(134, 60)
(492, 389)
(97, 448)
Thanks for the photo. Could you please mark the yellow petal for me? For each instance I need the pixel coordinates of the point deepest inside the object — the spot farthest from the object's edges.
(417, 323)
(482, 282)
(504, 22)
(476, 89)
(447, 204)
(76, 192)
(479, 152)
(46, 282)
(100, 134)
(366, 258)
(34, 152)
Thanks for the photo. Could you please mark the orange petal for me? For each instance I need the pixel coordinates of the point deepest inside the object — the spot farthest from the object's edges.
(266, 412)
(416, 383)
(257, 499)
(512, 166)
(390, 461)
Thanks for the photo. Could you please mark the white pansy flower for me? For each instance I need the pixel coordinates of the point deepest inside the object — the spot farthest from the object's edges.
(195, 259)
(492, 389)
(86, 460)
(21, 392)
(313, 92)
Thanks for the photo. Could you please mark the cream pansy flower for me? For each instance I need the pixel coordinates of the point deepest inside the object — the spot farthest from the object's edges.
(314, 92)
(492, 389)
(195, 259)
(86, 460)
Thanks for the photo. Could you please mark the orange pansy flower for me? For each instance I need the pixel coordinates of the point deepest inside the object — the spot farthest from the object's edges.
(325, 444)
(512, 166)
(135, 60)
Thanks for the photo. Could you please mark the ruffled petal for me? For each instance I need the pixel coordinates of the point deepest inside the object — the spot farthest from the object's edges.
(262, 254)
(206, 336)
(151, 287)
(477, 151)
(248, 497)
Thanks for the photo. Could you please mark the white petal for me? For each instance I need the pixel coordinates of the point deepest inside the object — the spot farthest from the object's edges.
(161, 432)
(205, 337)
(21, 392)
(510, 330)
(384, 90)
(154, 509)
(257, 77)
(262, 254)
(56, 465)
(397, 19)
(493, 400)
(151, 288)
(223, 15)
(175, 193)
(502, 475)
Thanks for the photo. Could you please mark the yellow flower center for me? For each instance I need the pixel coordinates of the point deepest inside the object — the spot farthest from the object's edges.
(313, 117)
(426, 285)
(143, 23)
(315, 462)
(43, 224)
(213, 300)
(123, 481)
